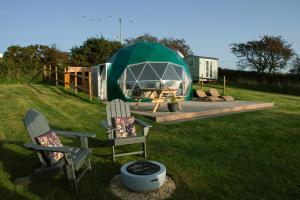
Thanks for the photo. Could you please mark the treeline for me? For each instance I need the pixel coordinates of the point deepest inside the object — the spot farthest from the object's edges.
(26, 63)
(275, 82)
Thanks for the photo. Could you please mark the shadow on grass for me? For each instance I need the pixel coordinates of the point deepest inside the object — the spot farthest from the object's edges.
(9, 194)
(11, 159)
(37, 90)
(16, 164)
(79, 95)
(59, 91)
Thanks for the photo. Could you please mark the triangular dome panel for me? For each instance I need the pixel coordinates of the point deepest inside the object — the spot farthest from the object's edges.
(170, 74)
(137, 69)
(148, 74)
(159, 68)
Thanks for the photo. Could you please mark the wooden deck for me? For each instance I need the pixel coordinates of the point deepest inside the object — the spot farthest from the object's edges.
(197, 109)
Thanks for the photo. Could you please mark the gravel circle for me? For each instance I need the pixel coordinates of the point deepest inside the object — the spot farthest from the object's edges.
(123, 193)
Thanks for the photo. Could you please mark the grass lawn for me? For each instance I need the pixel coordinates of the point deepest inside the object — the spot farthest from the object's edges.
(254, 155)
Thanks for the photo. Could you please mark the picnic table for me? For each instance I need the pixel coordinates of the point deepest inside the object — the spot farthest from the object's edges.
(158, 96)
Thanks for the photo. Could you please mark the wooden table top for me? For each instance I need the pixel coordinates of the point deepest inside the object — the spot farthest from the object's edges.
(156, 89)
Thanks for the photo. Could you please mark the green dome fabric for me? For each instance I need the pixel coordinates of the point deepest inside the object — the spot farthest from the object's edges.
(138, 53)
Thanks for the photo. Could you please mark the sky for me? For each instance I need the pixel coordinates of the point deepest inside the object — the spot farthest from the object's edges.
(209, 27)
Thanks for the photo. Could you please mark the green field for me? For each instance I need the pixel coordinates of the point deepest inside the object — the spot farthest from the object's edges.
(254, 155)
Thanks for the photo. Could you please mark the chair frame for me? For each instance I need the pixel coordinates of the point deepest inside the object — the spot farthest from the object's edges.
(118, 108)
(63, 166)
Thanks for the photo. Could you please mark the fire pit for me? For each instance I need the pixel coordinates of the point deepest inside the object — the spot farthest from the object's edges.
(143, 176)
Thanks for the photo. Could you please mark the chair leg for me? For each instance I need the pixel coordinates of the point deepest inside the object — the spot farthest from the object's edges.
(113, 153)
(89, 165)
(180, 107)
(155, 107)
(145, 149)
(71, 177)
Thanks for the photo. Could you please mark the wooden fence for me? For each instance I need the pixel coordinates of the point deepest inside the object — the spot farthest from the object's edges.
(77, 78)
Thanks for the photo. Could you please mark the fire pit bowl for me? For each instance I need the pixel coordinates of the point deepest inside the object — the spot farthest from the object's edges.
(143, 176)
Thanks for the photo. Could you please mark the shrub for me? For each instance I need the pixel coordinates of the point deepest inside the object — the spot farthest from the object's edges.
(276, 82)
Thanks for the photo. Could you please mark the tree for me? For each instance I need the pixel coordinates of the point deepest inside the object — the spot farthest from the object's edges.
(269, 54)
(94, 51)
(35, 55)
(19, 62)
(54, 57)
(147, 37)
(23, 59)
(175, 44)
(295, 66)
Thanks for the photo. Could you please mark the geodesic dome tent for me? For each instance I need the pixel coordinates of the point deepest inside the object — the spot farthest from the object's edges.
(147, 65)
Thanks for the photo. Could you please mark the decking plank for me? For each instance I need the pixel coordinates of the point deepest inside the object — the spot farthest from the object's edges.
(194, 110)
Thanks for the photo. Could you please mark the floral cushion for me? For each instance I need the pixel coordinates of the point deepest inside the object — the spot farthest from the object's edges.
(50, 139)
(124, 127)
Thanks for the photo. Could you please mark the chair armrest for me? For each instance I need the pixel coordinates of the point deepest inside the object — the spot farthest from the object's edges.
(74, 134)
(141, 122)
(109, 129)
(37, 147)
(145, 126)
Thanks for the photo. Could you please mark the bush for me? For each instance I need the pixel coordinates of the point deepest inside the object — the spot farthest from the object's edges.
(23, 64)
(282, 83)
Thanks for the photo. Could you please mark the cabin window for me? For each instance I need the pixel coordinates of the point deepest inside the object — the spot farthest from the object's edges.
(191, 63)
(207, 69)
(210, 70)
